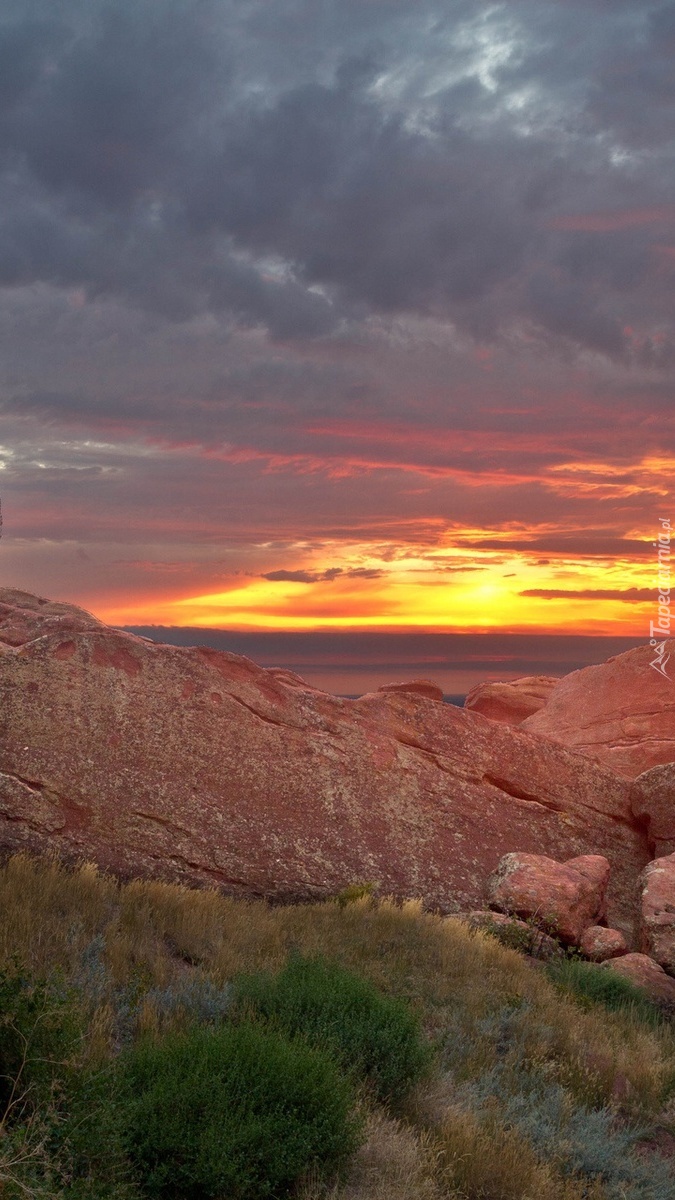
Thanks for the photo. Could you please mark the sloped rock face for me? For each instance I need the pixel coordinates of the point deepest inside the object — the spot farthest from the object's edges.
(24, 617)
(620, 713)
(511, 702)
(198, 765)
(564, 898)
(652, 800)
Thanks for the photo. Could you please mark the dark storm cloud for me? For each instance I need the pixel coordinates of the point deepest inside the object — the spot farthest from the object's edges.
(634, 92)
(192, 156)
(322, 576)
(315, 269)
(632, 595)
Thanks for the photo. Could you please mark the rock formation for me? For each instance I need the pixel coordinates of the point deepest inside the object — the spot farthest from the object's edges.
(657, 925)
(511, 702)
(600, 944)
(620, 713)
(652, 801)
(564, 898)
(197, 765)
(641, 970)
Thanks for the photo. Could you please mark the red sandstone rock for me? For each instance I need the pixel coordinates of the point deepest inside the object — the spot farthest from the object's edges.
(652, 800)
(657, 925)
(641, 970)
(198, 765)
(620, 713)
(417, 687)
(511, 702)
(599, 943)
(24, 617)
(564, 898)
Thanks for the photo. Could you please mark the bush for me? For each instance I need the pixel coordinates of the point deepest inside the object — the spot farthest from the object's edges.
(39, 1035)
(238, 1112)
(376, 1037)
(594, 985)
(57, 1115)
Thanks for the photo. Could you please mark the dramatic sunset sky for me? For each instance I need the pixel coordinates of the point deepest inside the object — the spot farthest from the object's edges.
(346, 327)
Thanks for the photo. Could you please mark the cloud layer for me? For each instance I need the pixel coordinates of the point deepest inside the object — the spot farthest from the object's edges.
(296, 299)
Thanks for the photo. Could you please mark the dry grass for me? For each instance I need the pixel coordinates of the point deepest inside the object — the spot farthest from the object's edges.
(50, 916)
(396, 1162)
(150, 935)
(482, 1158)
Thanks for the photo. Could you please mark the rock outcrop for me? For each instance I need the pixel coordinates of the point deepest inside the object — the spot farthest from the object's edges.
(197, 765)
(563, 898)
(511, 702)
(652, 800)
(620, 713)
(657, 924)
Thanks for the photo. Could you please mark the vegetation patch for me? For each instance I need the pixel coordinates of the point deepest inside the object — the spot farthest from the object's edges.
(377, 1038)
(239, 1111)
(591, 984)
(118, 1001)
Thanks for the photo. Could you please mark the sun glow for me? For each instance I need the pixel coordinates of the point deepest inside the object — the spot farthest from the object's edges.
(452, 587)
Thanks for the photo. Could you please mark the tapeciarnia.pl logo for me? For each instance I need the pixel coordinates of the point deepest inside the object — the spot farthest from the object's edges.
(659, 631)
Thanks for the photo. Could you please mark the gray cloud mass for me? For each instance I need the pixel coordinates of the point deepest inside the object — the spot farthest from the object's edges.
(367, 152)
(308, 271)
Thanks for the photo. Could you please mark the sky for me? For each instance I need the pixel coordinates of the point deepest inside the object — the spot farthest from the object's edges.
(341, 319)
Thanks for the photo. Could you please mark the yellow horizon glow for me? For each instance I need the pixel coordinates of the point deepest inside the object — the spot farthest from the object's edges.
(414, 588)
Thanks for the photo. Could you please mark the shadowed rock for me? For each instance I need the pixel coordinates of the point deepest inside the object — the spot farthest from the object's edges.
(600, 944)
(657, 902)
(652, 799)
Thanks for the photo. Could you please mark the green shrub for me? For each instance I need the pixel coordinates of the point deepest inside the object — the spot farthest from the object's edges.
(40, 1033)
(376, 1037)
(57, 1115)
(592, 985)
(238, 1112)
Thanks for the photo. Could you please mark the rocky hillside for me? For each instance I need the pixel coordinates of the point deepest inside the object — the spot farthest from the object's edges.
(199, 766)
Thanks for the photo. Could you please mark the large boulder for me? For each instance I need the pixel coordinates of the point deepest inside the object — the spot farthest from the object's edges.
(657, 916)
(563, 898)
(620, 713)
(511, 702)
(197, 765)
(652, 800)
